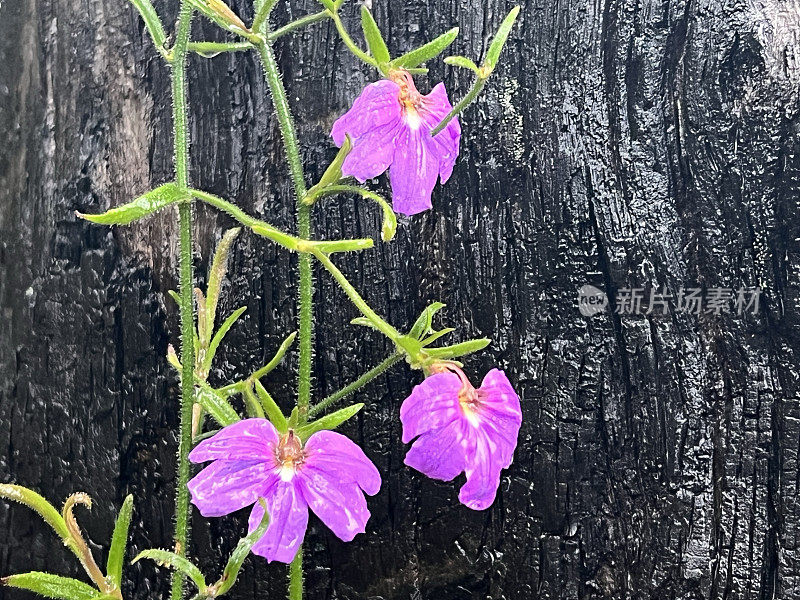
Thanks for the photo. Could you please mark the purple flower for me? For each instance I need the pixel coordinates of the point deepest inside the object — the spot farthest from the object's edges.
(389, 125)
(252, 460)
(463, 429)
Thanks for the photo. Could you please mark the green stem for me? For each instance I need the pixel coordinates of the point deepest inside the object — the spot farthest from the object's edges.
(301, 22)
(351, 45)
(290, 242)
(306, 283)
(296, 576)
(306, 292)
(377, 321)
(181, 143)
(377, 371)
(463, 103)
(210, 49)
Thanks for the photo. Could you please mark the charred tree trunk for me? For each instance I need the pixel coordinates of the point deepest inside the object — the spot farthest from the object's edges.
(622, 144)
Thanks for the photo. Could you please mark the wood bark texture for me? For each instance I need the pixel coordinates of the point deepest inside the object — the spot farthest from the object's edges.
(621, 143)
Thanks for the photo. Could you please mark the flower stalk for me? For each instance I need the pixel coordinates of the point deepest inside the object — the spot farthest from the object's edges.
(181, 158)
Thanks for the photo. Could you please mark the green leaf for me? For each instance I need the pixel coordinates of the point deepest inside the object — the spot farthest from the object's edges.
(52, 586)
(219, 335)
(457, 350)
(329, 4)
(426, 52)
(432, 338)
(271, 408)
(216, 274)
(331, 421)
(217, 406)
(496, 47)
(37, 503)
(374, 38)
(463, 62)
(276, 360)
(241, 552)
(165, 558)
(143, 206)
(119, 541)
(334, 171)
(422, 326)
(152, 22)
(364, 322)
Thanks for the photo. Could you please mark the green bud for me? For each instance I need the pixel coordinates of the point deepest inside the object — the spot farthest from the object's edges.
(456, 350)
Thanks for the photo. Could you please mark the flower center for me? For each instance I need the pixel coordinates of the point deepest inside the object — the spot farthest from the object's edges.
(289, 454)
(410, 99)
(470, 403)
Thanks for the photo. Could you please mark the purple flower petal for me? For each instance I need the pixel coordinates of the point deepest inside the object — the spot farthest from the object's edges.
(251, 439)
(373, 152)
(226, 486)
(414, 171)
(343, 459)
(443, 453)
(377, 105)
(431, 405)
(446, 142)
(288, 515)
(339, 504)
(483, 473)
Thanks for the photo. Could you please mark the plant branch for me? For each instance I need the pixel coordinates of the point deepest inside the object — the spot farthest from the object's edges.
(181, 142)
(356, 385)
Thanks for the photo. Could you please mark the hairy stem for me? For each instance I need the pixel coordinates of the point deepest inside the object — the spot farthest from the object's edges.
(306, 293)
(351, 45)
(181, 141)
(376, 320)
(373, 373)
(306, 283)
(476, 89)
(296, 576)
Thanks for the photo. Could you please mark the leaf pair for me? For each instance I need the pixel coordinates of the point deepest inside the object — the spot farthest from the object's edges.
(67, 588)
(232, 568)
(422, 334)
(409, 61)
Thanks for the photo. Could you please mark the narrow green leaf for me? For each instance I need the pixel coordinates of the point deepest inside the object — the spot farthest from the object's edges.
(220, 334)
(52, 586)
(331, 421)
(496, 47)
(432, 338)
(422, 326)
(37, 503)
(165, 558)
(241, 552)
(457, 350)
(364, 322)
(217, 406)
(271, 408)
(276, 360)
(334, 171)
(329, 4)
(143, 206)
(251, 403)
(216, 274)
(152, 22)
(119, 541)
(426, 52)
(374, 38)
(463, 62)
